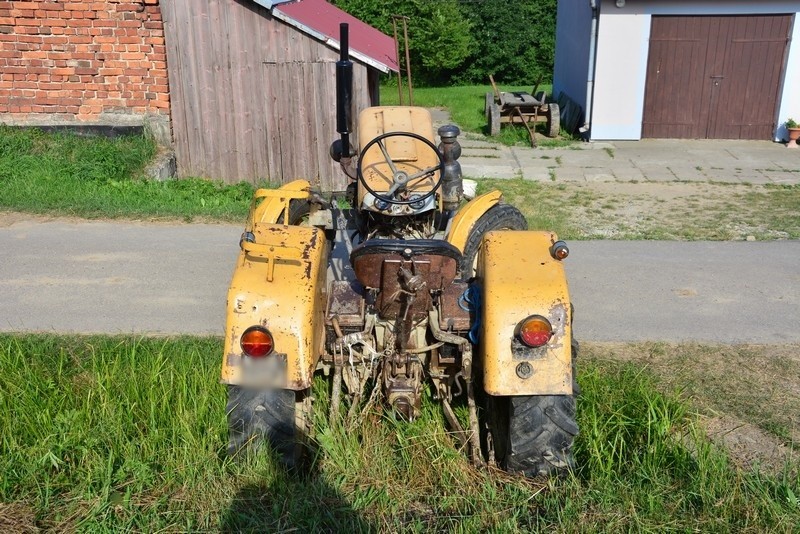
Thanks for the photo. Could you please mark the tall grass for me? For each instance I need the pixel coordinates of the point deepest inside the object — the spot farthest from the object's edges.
(115, 433)
(68, 174)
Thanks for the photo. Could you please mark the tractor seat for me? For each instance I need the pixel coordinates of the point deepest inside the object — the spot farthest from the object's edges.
(376, 262)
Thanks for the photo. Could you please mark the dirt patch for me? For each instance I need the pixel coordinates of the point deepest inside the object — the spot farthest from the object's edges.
(684, 211)
(747, 396)
(17, 518)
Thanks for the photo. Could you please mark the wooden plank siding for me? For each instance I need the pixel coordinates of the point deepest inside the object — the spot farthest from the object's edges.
(714, 77)
(253, 98)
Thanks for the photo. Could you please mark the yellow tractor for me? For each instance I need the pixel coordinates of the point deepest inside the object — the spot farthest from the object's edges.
(408, 288)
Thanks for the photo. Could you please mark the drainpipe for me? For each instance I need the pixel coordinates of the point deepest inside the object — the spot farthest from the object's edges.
(595, 7)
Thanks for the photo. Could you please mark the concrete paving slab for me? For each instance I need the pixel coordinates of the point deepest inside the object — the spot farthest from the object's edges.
(658, 174)
(570, 174)
(599, 176)
(780, 177)
(656, 160)
(725, 176)
(537, 174)
(631, 174)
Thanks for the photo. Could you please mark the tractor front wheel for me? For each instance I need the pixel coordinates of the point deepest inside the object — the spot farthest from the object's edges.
(278, 418)
(498, 217)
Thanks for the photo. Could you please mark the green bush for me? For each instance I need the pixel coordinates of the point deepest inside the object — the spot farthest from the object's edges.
(463, 41)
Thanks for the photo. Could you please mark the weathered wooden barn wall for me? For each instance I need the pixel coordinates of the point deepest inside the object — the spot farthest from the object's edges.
(252, 98)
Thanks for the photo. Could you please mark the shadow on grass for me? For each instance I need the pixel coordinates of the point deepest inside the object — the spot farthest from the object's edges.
(302, 504)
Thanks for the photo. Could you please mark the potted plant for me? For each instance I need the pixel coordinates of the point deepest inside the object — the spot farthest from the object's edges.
(794, 132)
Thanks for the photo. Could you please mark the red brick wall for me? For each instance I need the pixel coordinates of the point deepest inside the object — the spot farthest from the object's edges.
(81, 60)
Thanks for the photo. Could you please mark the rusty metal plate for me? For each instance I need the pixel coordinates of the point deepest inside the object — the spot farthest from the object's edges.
(346, 302)
(453, 316)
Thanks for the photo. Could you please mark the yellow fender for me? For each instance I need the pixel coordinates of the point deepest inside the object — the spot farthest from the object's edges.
(279, 283)
(276, 201)
(467, 216)
(519, 277)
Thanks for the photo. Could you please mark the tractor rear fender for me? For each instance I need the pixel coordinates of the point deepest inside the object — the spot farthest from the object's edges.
(467, 216)
(518, 278)
(279, 283)
(274, 202)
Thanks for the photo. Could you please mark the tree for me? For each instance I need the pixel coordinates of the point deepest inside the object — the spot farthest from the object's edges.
(440, 34)
(515, 41)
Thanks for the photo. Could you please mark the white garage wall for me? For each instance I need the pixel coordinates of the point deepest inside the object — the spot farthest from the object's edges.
(790, 97)
(622, 49)
(620, 73)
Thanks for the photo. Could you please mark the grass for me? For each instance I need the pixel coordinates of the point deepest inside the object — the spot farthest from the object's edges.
(466, 106)
(120, 433)
(665, 211)
(67, 174)
(759, 393)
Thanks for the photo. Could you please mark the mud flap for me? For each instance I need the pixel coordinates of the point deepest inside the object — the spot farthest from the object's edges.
(279, 282)
(518, 277)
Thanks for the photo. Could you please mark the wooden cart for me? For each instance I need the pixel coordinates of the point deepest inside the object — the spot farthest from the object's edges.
(521, 108)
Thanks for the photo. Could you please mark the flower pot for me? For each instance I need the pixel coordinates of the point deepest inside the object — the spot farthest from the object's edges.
(794, 134)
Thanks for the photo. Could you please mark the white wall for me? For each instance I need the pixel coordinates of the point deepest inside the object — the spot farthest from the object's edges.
(620, 74)
(790, 97)
(622, 49)
(573, 39)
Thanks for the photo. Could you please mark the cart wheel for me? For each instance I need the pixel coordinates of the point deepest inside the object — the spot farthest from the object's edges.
(494, 119)
(553, 120)
(489, 103)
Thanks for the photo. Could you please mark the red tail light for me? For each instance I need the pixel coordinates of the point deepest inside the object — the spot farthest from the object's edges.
(534, 331)
(257, 342)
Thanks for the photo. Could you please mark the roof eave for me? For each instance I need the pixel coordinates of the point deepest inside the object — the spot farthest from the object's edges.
(333, 43)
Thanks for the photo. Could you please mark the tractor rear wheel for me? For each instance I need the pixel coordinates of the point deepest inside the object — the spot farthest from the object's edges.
(278, 418)
(498, 217)
(533, 434)
(553, 120)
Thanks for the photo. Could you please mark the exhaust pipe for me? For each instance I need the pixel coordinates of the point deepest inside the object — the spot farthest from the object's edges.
(344, 96)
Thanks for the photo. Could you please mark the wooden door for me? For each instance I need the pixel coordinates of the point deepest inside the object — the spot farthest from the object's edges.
(714, 77)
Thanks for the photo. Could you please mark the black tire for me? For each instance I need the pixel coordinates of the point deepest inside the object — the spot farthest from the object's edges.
(276, 417)
(298, 212)
(494, 119)
(553, 120)
(498, 217)
(533, 435)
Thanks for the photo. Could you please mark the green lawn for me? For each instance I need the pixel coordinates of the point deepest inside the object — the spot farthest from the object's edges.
(66, 174)
(466, 105)
(120, 433)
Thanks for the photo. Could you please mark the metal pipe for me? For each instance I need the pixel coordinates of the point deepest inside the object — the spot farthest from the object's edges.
(397, 55)
(408, 62)
(595, 7)
(344, 89)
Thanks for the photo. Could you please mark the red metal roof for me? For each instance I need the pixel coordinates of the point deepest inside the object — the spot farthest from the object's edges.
(324, 18)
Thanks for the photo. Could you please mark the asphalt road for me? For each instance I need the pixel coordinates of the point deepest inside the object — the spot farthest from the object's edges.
(109, 277)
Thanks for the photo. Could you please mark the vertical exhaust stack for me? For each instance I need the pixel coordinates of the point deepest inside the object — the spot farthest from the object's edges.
(344, 96)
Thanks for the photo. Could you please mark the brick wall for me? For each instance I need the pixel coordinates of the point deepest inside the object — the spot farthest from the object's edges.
(82, 61)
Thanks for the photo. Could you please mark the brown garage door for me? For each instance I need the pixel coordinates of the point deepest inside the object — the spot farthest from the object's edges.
(714, 77)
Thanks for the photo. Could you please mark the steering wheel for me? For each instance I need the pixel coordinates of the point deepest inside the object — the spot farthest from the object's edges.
(401, 180)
